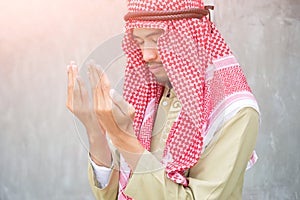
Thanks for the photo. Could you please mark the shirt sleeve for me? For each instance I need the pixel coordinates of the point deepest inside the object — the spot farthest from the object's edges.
(218, 174)
(101, 173)
(104, 193)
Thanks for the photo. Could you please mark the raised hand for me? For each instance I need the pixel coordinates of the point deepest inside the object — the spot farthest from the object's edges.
(78, 100)
(113, 113)
(108, 104)
(79, 104)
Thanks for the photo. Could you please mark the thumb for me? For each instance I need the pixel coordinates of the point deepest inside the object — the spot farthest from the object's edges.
(126, 108)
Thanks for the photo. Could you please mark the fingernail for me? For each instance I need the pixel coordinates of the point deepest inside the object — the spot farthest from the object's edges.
(112, 92)
(99, 67)
(74, 66)
(91, 62)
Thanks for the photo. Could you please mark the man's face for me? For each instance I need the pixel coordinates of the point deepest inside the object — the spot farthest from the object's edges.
(147, 40)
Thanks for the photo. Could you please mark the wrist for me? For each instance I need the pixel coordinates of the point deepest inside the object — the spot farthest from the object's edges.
(92, 127)
(94, 132)
(99, 162)
(127, 142)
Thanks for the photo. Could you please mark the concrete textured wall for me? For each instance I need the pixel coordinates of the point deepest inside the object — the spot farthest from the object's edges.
(265, 36)
(41, 154)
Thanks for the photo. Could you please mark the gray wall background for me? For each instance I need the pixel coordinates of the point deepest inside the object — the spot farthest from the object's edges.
(41, 154)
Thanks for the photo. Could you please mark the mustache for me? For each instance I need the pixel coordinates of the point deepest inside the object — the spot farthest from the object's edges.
(153, 63)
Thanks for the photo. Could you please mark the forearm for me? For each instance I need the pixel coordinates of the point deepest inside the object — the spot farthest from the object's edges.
(98, 147)
(128, 146)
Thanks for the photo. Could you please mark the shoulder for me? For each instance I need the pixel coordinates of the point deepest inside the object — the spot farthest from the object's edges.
(245, 115)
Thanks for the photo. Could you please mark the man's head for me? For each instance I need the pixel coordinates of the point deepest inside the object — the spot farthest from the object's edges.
(147, 38)
(177, 19)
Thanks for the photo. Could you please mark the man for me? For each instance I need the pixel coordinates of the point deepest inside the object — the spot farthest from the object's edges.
(187, 125)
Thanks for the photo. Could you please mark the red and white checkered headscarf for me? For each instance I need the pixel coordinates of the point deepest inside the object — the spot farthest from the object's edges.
(206, 77)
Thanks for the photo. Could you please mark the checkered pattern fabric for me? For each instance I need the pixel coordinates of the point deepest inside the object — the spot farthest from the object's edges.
(147, 125)
(203, 72)
(124, 174)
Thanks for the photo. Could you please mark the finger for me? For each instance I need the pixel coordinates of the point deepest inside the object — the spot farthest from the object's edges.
(70, 88)
(72, 71)
(118, 100)
(105, 83)
(123, 112)
(74, 68)
(77, 100)
(94, 81)
(83, 92)
(93, 76)
(102, 88)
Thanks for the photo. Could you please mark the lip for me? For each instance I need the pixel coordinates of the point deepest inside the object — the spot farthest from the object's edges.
(155, 68)
(155, 65)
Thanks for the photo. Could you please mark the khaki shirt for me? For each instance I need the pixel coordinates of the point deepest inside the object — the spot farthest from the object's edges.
(219, 173)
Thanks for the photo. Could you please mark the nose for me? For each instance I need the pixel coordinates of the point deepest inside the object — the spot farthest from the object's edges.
(150, 54)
